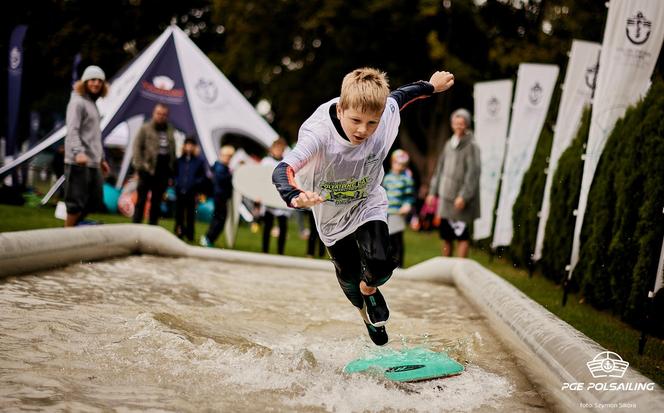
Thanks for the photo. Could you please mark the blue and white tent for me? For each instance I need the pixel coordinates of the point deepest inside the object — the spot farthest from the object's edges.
(172, 70)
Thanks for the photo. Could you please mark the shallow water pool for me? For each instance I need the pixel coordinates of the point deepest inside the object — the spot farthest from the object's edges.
(167, 334)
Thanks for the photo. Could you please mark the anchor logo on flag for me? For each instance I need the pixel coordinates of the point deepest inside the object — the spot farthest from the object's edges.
(14, 58)
(535, 94)
(638, 29)
(493, 106)
(591, 76)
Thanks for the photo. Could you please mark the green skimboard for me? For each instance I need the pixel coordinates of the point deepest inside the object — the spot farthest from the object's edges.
(413, 364)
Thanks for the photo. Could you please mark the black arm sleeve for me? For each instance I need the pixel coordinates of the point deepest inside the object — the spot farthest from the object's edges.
(283, 178)
(409, 93)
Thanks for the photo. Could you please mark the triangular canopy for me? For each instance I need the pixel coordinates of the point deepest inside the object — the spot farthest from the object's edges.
(174, 71)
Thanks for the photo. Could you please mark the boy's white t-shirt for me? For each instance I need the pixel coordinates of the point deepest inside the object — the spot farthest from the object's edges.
(347, 176)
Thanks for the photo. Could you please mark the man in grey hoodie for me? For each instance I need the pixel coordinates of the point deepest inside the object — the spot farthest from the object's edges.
(84, 154)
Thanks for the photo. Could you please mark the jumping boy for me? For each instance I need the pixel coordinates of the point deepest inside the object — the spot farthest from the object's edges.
(339, 162)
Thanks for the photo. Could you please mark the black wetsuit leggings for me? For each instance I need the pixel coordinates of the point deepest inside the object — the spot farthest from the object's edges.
(364, 255)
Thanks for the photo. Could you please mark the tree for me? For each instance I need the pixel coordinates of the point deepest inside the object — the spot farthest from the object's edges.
(623, 227)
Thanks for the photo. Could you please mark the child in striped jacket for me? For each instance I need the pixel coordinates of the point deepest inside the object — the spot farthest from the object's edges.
(400, 189)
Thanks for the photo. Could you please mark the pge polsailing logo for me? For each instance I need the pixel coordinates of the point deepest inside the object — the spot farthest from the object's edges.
(608, 364)
(638, 29)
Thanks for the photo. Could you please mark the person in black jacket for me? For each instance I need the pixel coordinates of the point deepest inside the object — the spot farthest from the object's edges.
(189, 176)
(222, 192)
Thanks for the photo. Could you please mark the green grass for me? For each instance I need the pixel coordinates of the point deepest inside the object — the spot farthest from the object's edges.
(601, 326)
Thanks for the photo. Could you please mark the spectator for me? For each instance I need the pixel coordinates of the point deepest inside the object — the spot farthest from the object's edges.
(427, 219)
(456, 181)
(154, 161)
(222, 181)
(189, 177)
(275, 156)
(400, 190)
(84, 153)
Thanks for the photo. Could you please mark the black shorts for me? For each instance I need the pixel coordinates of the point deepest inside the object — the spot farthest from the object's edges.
(83, 189)
(364, 255)
(447, 232)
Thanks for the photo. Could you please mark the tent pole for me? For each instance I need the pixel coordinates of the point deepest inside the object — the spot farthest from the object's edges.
(531, 266)
(646, 323)
(54, 188)
(126, 161)
(565, 291)
(51, 139)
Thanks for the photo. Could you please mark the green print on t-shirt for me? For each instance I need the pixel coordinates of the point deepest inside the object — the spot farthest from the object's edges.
(345, 191)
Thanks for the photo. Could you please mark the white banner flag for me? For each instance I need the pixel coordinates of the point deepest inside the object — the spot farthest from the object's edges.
(492, 114)
(577, 91)
(632, 40)
(534, 87)
(659, 278)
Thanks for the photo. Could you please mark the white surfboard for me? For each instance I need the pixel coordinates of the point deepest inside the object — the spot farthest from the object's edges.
(255, 183)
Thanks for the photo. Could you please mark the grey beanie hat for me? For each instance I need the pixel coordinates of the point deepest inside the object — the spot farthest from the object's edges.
(93, 72)
(464, 114)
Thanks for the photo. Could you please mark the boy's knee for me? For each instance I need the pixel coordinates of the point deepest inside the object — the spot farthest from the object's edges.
(377, 259)
(378, 270)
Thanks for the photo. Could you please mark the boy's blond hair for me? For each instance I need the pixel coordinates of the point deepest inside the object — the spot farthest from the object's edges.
(365, 90)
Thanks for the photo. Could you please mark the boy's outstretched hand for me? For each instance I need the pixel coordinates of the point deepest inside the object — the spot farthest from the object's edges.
(306, 200)
(442, 81)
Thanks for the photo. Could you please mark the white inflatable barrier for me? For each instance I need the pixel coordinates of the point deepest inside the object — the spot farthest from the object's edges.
(553, 354)
(42, 249)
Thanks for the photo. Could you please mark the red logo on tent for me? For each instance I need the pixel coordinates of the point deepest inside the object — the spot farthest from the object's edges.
(149, 87)
(161, 89)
